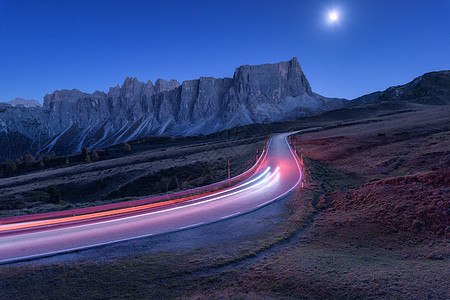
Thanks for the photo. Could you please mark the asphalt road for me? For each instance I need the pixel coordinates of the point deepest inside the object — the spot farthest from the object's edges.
(278, 175)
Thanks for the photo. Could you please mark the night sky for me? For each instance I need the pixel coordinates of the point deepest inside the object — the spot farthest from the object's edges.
(92, 45)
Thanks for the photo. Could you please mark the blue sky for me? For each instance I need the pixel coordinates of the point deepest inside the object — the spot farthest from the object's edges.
(92, 45)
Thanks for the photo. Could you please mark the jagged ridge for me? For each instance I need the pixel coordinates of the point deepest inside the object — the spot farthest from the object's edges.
(71, 119)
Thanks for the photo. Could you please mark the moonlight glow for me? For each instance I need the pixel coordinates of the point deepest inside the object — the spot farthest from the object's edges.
(333, 16)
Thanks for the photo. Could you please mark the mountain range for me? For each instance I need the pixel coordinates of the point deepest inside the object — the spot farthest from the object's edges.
(70, 119)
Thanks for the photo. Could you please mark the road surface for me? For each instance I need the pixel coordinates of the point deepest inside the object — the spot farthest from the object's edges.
(279, 174)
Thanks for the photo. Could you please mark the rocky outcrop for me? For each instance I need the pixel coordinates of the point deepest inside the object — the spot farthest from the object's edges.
(431, 88)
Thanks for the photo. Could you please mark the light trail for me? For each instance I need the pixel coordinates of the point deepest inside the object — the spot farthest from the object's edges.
(237, 187)
(124, 210)
(165, 210)
(43, 238)
(180, 196)
(115, 212)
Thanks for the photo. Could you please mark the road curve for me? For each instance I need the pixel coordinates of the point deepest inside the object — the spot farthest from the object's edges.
(279, 174)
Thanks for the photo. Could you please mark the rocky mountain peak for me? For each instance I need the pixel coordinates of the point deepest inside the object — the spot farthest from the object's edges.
(162, 85)
(114, 91)
(273, 81)
(131, 87)
(70, 96)
(149, 89)
(294, 63)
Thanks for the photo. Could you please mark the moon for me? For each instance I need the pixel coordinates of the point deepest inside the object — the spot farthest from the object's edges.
(333, 16)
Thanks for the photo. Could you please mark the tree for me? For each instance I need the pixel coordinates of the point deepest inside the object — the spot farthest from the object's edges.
(54, 193)
(29, 159)
(84, 151)
(47, 158)
(10, 167)
(94, 155)
(126, 148)
(40, 156)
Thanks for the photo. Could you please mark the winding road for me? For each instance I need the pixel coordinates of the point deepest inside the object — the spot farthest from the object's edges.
(277, 175)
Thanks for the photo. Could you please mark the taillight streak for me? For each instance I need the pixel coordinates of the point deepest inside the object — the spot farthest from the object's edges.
(10, 227)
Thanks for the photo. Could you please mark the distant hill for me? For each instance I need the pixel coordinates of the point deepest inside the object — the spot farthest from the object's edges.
(430, 88)
(24, 102)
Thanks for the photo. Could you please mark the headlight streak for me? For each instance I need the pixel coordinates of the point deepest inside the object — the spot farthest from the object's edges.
(179, 207)
(295, 185)
(298, 166)
(113, 212)
(119, 211)
(231, 189)
(276, 174)
(134, 203)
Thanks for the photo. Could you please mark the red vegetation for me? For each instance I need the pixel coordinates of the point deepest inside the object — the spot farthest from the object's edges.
(417, 203)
